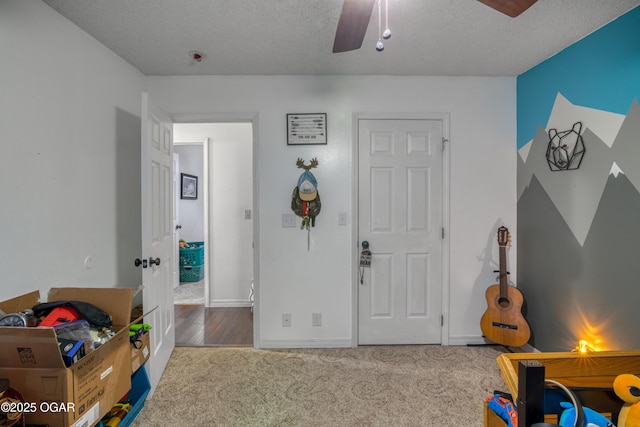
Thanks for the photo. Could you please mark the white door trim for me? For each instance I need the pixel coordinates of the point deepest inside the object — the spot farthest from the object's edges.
(176, 220)
(355, 254)
(253, 119)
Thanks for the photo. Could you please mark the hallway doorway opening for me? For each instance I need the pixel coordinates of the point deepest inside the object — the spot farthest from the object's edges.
(214, 306)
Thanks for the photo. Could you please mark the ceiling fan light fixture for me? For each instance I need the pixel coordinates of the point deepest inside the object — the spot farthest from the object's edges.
(386, 34)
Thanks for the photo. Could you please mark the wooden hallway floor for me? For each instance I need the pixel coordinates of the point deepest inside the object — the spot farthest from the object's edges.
(200, 326)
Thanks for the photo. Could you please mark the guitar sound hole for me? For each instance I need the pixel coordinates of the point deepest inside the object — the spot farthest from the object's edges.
(504, 302)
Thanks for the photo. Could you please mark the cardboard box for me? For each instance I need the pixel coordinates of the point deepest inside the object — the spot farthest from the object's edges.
(72, 396)
(140, 353)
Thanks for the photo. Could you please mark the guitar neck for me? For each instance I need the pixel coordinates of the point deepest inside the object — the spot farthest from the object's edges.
(503, 272)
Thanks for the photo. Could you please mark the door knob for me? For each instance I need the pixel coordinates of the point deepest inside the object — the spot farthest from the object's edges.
(154, 261)
(140, 262)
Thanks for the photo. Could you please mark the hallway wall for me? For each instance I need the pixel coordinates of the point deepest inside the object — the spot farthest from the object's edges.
(191, 211)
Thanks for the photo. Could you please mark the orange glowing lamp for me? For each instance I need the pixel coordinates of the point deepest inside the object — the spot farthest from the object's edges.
(584, 347)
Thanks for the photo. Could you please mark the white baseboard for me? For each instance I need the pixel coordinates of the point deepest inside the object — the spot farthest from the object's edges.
(467, 340)
(230, 303)
(346, 343)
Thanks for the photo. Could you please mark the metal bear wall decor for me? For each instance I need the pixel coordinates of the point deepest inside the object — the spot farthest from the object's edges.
(566, 148)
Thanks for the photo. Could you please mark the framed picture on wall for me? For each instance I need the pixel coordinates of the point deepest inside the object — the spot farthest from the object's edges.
(306, 129)
(189, 185)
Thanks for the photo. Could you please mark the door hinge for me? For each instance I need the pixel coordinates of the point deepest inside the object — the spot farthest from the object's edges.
(442, 320)
(444, 142)
(443, 233)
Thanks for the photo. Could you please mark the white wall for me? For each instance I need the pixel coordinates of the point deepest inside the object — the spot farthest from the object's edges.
(191, 211)
(230, 238)
(70, 162)
(292, 280)
(231, 193)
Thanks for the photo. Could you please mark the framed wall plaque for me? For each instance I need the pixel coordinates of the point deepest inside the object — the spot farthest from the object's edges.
(306, 129)
(189, 184)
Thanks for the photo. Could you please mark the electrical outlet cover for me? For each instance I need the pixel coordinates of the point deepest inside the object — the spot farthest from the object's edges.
(286, 320)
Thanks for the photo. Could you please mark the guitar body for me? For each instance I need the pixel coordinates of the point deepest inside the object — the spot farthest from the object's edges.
(503, 322)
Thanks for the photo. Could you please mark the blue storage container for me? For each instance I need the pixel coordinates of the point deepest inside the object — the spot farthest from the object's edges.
(193, 255)
(140, 387)
(191, 273)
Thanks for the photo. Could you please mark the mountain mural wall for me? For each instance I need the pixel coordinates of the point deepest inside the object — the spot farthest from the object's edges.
(579, 230)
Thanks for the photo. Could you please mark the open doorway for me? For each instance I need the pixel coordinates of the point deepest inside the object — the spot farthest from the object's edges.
(214, 301)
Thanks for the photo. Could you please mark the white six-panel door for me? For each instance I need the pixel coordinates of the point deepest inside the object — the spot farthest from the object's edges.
(400, 215)
(157, 235)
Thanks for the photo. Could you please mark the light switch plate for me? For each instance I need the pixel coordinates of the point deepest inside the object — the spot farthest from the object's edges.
(342, 218)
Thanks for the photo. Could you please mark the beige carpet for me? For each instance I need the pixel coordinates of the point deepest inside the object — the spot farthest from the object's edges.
(365, 386)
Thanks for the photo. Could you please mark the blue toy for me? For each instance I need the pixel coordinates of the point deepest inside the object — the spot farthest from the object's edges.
(504, 408)
(591, 417)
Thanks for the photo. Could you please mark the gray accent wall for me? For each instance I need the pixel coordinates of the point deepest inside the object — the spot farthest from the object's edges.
(578, 236)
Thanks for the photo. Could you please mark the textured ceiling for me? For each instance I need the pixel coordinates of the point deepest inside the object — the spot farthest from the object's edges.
(295, 37)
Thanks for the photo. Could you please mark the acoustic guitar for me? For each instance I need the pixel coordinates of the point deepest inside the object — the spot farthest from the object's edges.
(503, 322)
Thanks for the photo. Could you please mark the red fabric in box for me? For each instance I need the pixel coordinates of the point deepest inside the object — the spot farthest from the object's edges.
(60, 315)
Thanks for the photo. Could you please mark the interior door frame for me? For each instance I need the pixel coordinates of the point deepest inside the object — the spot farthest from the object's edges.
(355, 255)
(253, 119)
